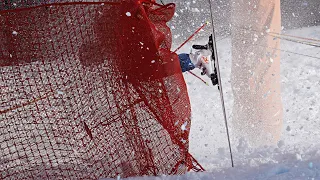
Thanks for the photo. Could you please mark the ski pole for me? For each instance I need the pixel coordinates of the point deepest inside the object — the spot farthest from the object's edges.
(198, 78)
(198, 30)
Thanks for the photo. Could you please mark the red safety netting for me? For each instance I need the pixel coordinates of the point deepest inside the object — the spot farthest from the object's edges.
(90, 90)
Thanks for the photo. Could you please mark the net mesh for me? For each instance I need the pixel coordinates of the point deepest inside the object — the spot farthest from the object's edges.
(90, 90)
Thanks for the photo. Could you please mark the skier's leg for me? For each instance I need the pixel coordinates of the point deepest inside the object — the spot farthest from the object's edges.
(257, 111)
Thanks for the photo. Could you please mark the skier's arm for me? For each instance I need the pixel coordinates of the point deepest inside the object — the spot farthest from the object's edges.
(185, 62)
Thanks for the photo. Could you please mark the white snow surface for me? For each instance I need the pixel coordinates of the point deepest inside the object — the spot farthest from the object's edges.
(296, 156)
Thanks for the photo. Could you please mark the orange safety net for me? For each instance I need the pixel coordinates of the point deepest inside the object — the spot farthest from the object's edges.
(90, 90)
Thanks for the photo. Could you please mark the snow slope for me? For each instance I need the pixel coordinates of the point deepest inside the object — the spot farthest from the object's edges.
(296, 156)
(293, 170)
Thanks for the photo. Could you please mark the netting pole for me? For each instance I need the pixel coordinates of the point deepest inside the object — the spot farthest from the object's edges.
(219, 79)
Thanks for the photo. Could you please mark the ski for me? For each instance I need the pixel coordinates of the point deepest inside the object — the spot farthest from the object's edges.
(216, 77)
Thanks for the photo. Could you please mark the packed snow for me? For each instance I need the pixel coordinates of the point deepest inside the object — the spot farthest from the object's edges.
(295, 156)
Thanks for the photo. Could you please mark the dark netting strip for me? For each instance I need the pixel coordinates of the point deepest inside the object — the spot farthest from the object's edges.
(90, 90)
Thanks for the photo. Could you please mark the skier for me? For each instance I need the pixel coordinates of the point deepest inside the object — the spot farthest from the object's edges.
(200, 59)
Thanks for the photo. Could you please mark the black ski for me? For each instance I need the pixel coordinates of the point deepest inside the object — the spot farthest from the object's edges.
(217, 78)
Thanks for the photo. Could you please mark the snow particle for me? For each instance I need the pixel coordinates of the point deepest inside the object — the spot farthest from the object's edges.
(184, 125)
(60, 92)
(128, 14)
(178, 89)
(271, 60)
(153, 61)
(195, 10)
(14, 32)
(176, 36)
(298, 156)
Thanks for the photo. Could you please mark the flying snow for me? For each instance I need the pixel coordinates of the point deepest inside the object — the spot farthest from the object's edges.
(184, 125)
(60, 92)
(128, 14)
